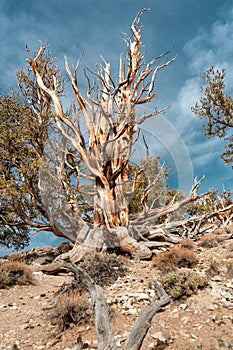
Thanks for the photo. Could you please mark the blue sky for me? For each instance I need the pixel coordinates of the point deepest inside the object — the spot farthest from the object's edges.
(201, 33)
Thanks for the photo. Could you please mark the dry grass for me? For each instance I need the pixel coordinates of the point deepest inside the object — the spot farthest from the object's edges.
(175, 258)
(213, 269)
(72, 307)
(182, 284)
(187, 243)
(15, 272)
(229, 272)
(209, 240)
(15, 256)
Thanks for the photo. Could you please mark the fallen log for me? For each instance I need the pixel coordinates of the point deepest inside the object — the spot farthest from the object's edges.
(104, 333)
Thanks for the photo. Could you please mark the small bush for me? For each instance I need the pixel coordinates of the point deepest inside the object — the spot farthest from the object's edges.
(182, 284)
(175, 257)
(14, 272)
(71, 308)
(213, 269)
(104, 269)
(230, 270)
(187, 243)
(15, 256)
(209, 241)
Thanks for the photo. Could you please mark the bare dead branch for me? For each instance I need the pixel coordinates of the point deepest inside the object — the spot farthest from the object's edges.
(143, 322)
(104, 332)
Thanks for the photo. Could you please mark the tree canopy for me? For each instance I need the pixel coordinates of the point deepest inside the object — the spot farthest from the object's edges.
(215, 107)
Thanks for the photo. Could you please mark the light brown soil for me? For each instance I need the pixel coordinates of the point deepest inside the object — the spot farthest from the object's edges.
(203, 321)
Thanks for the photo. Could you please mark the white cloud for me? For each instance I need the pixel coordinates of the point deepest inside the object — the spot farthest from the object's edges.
(211, 47)
(208, 47)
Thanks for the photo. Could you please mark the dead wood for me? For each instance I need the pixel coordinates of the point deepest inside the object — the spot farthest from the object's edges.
(104, 333)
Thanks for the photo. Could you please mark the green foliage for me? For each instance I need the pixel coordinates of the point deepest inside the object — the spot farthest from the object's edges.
(25, 122)
(151, 170)
(14, 272)
(182, 284)
(216, 108)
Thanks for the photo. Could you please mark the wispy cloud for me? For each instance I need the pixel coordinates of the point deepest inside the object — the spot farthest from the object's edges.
(211, 46)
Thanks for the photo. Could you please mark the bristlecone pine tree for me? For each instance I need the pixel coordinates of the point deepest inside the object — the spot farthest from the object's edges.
(101, 131)
(69, 172)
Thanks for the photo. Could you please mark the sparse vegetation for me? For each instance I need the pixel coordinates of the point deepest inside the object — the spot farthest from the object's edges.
(213, 269)
(209, 240)
(175, 258)
(16, 256)
(104, 269)
(72, 307)
(182, 284)
(14, 272)
(187, 243)
(229, 273)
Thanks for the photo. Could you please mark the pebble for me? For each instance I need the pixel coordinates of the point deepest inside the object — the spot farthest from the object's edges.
(216, 278)
(161, 337)
(183, 306)
(193, 336)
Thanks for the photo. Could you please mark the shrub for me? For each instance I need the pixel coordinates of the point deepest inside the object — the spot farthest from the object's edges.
(230, 270)
(15, 272)
(182, 284)
(187, 243)
(15, 256)
(72, 307)
(213, 269)
(104, 269)
(209, 240)
(175, 257)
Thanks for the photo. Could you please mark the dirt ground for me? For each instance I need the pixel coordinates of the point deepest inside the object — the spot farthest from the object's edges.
(202, 321)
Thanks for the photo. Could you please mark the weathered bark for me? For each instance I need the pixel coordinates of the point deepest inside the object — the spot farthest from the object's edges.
(143, 322)
(111, 121)
(163, 235)
(99, 239)
(104, 333)
(155, 213)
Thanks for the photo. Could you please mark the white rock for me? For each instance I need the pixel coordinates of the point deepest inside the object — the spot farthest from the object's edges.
(183, 306)
(193, 336)
(161, 337)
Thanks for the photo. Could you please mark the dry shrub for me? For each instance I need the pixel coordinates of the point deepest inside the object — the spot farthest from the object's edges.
(103, 268)
(72, 307)
(15, 256)
(182, 284)
(213, 269)
(230, 270)
(15, 272)
(210, 240)
(187, 243)
(175, 257)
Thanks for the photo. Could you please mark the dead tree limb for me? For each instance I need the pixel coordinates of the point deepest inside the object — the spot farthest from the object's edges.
(104, 332)
(103, 328)
(143, 322)
(156, 213)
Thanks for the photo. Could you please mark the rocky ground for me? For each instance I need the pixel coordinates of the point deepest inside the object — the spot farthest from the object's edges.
(202, 321)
